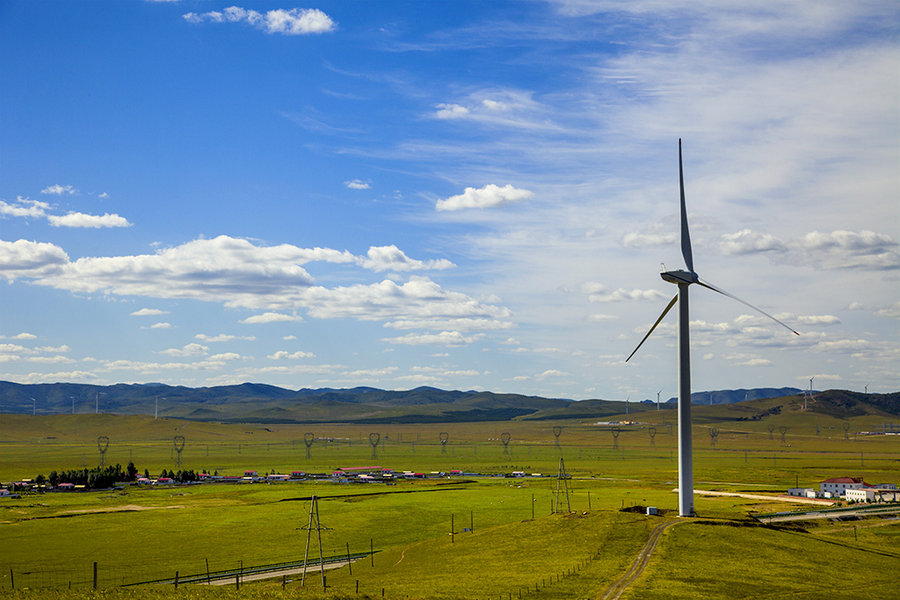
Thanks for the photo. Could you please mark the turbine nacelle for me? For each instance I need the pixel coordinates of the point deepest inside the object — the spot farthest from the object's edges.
(680, 276)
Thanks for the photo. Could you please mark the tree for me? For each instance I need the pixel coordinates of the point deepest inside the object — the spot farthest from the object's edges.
(131, 471)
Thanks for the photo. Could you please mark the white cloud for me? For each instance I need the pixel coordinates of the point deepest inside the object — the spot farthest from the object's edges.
(486, 197)
(161, 325)
(285, 355)
(384, 258)
(148, 312)
(357, 184)
(451, 111)
(622, 294)
(843, 249)
(222, 337)
(76, 219)
(187, 350)
(24, 207)
(815, 319)
(892, 312)
(601, 317)
(444, 338)
(295, 21)
(551, 373)
(24, 336)
(59, 190)
(271, 317)
(464, 324)
(30, 259)
(639, 240)
(289, 337)
(749, 242)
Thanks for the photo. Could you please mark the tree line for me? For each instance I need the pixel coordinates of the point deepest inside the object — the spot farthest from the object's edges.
(105, 477)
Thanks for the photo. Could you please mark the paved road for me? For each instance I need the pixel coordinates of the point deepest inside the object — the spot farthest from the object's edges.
(313, 574)
(808, 516)
(615, 590)
(794, 499)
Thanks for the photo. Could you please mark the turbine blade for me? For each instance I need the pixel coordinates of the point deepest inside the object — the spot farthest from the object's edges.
(685, 234)
(733, 297)
(668, 308)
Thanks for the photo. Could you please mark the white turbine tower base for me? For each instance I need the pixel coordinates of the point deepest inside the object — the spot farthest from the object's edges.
(683, 279)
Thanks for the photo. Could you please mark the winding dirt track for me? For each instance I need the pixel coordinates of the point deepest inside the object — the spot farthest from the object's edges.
(615, 590)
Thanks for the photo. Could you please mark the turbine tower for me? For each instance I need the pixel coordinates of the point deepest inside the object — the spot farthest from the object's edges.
(683, 279)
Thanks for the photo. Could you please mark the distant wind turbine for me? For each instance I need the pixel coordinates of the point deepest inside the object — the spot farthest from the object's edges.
(684, 279)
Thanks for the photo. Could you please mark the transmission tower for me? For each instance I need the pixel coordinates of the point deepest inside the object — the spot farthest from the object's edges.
(314, 524)
(562, 482)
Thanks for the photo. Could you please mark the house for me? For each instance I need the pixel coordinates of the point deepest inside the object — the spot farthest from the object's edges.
(836, 486)
(164, 481)
(298, 474)
(277, 478)
(66, 487)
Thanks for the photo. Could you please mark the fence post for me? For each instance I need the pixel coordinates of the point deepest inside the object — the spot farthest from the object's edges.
(12, 581)
(237, 582)
(95, 575)
(349, 564)
(372, 551)
(176, 580)
(207, 572)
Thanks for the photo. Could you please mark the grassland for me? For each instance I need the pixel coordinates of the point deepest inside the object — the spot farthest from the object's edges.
(140, 534)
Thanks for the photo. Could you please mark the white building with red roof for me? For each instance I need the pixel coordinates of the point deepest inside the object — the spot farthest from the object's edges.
(836, 486)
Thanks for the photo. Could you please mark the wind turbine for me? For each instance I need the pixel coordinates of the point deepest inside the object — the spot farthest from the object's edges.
(683, 279)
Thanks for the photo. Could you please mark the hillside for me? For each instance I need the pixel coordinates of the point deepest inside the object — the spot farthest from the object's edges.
(260, 403)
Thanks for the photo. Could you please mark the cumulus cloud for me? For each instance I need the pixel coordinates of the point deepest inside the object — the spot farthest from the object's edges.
(639, 240)
(271, 317)
(601, 317)
(187, 350)
(294, 21)
(24, 336)
(750, 242)
(621, 294)
(444, 338)
(463, 324)
(285, 355)
(148, 312)
(24, 207)
(489, 196)
(30, 259)
(451, 111)
(59, 190)
(222, 337)
(269, 279)
(892, 312)
(850, 249)
(77, 219)
(357, 184)
(814, 319)
(384, 258)
(161, 325)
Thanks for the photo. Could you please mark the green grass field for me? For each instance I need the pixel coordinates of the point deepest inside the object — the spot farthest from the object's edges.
(52, 540)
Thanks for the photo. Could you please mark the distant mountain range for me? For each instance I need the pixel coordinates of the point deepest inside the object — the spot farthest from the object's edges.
(254, 402)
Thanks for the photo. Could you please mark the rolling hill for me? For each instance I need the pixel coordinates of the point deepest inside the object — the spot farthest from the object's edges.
(260, 403)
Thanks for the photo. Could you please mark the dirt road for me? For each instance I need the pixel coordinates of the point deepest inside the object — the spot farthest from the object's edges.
(615, 590)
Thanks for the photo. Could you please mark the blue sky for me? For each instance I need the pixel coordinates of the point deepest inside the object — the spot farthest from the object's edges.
(470, 195)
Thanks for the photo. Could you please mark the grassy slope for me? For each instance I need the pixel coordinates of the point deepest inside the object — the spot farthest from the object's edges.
(714, 560)
(228, 524)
